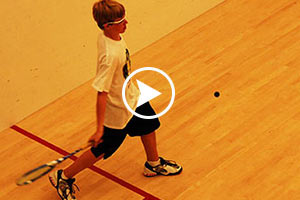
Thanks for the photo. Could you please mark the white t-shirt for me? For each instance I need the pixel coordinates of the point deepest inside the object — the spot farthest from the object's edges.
(113, 66)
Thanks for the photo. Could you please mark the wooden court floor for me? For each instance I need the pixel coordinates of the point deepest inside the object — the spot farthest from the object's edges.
(243, 145)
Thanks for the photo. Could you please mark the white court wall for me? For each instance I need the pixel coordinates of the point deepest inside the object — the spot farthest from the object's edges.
(48, 48)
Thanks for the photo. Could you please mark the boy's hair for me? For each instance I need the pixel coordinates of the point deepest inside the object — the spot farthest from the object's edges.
(105, 11)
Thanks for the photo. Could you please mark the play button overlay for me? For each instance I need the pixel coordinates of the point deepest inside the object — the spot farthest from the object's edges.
(148, 93)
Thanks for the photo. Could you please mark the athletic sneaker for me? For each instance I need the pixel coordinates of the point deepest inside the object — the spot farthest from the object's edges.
(166, 168)
(65, 188)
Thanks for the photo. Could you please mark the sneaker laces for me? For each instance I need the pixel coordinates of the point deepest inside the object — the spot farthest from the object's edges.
(163, 167)
(168, 162)
(68, 187)
(72, 186)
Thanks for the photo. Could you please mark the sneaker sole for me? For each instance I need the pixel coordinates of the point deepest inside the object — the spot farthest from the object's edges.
(152, 174)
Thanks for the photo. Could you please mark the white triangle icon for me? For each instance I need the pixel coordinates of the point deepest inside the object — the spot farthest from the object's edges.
(147, 93)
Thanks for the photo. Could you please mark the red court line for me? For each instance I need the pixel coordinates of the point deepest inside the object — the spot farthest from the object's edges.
(94, 168)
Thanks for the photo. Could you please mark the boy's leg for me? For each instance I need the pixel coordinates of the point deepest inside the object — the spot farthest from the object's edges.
(149, 142)
(86, 160)
(156, 165)
(63, 180)
(145, 128)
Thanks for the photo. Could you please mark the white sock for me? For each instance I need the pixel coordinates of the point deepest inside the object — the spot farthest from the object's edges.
(154, 163)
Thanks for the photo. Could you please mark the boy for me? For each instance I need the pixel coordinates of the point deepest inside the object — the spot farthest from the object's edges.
(114, 121)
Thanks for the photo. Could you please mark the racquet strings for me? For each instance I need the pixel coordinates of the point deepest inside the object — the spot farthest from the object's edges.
(31, 176)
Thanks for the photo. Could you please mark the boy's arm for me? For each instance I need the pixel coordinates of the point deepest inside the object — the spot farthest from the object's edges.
(100, 110)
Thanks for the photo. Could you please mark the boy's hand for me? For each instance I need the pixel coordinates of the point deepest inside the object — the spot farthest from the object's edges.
(96, 138)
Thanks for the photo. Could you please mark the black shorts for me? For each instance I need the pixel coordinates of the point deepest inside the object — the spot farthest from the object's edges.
(113, 138)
